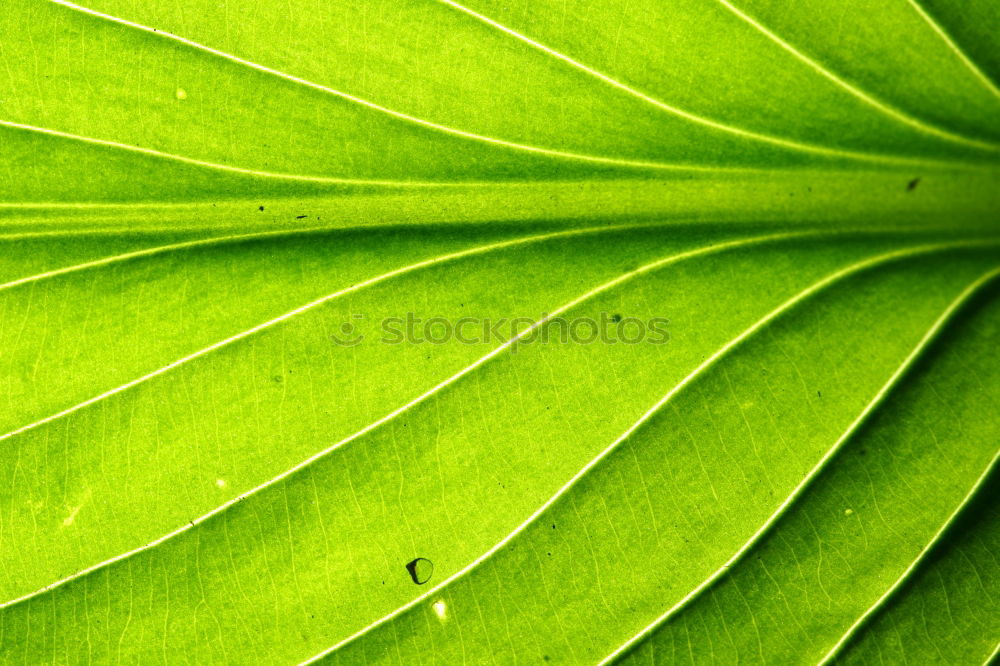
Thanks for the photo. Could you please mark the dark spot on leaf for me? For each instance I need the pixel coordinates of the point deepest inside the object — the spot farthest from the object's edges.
(299, 217)
(260, 208)
(277, 378)
(912, 185)
(420, 570)
(616, 318)
(818, 394)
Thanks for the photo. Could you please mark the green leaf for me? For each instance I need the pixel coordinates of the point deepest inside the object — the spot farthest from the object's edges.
(211, 211)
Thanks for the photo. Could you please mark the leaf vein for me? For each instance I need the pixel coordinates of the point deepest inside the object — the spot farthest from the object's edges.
(821, 464)
(956, 49)
(921, 557)
(150, 251)
(399, 410)
(896, 114)
(399, 115)
(754, 328)
(800, 146)
(299, 310)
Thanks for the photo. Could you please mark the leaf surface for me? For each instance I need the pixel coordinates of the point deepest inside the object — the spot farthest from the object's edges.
(200, 199)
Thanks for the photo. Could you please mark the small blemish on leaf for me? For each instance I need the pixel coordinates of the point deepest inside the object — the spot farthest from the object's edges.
(220, 483)
(420, 570)
(68, 520)
(260, 208)
(912, 185)
(848, 512)
(181, 93)
(440, 609)
(301, 217)
(74, 511)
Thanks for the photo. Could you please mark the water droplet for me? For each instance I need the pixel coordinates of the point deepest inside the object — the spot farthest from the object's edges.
(181, 93)
(420, 570)
(440, 609)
